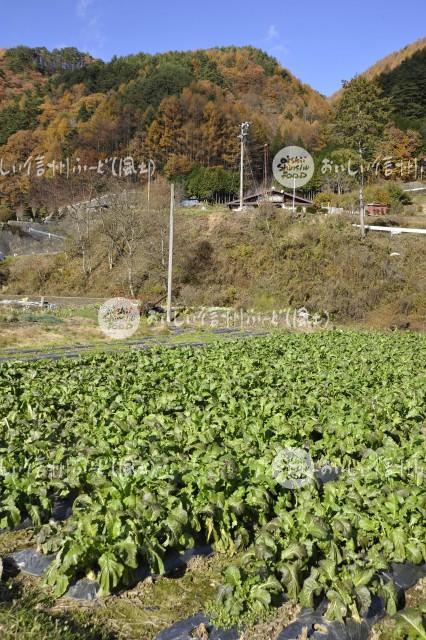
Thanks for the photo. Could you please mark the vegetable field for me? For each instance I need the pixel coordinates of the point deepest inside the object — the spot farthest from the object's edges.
(167, 449)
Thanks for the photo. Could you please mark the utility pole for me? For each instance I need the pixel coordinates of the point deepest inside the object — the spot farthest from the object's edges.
(149, 184)
(170, 272)
(265, 166)
(361, 184)
(361, 195)
(243, 135)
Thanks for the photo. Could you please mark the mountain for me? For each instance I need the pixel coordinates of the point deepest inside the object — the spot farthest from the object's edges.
(179, 108)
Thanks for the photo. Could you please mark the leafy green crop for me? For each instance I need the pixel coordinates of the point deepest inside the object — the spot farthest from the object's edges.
(412, 622)
(166, 448)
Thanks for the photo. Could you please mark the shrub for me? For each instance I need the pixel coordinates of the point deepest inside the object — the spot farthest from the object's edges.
(6, 213)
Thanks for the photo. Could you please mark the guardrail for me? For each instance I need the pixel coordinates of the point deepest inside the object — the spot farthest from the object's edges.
(392, 230)
(34, 300)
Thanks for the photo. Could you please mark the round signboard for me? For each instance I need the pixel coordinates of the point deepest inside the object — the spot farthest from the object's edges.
(119, 318)
(293, 167)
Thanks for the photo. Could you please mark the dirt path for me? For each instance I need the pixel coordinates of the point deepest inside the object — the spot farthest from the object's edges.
(74, 351)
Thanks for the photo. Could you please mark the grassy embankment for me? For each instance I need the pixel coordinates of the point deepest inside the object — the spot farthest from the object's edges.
(255, 260)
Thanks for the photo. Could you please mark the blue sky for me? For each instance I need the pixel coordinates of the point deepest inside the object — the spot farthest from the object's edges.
(322, 43)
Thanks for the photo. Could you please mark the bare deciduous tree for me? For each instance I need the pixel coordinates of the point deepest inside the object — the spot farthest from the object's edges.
(135, 235)
(83, 212)
(82, 217)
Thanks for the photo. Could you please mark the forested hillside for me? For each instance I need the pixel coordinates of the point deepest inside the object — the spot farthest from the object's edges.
(63, 112)
(390, 62)
(393, 60)
(180, 109)
(402, 77)
(405, 85)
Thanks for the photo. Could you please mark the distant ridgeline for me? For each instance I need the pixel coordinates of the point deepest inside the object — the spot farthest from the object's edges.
(20, 58)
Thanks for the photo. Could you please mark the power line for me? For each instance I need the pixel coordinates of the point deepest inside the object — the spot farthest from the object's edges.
(254, 183)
